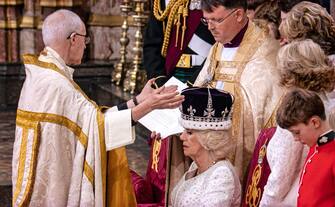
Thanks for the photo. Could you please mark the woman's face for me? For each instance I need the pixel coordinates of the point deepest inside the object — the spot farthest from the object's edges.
(191, 146)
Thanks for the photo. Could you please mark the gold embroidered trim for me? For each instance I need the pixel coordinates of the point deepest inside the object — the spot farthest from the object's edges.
(225, 77)
(27, 116)
(33, 60)
(103, 153)
(271, 122)
(33, 163)
(236, 120)
(89, 173)
(254, 193)
(155, 154)
(229, 64)
(22, 161)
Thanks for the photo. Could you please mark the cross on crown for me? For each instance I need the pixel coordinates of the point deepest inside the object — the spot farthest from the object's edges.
(209, 111)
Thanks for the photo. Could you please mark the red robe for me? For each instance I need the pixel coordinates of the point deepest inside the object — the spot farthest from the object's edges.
(258, 171)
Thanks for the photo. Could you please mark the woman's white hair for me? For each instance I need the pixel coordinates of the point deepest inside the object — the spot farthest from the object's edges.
(59, 25)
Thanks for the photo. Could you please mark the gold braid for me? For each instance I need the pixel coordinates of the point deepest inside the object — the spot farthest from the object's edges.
(158, 13)
(170, 13)
(184, 27)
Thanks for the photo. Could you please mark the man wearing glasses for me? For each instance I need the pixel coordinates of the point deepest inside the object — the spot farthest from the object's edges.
(61, 139)
(242, 61)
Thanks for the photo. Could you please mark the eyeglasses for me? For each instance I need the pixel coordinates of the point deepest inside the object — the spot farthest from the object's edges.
(214, 21)
(87, 38)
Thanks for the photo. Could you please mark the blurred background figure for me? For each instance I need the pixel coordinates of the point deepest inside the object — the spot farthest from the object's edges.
(265, 14)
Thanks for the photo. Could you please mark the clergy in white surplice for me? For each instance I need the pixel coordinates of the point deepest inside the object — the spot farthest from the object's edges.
(68, 151)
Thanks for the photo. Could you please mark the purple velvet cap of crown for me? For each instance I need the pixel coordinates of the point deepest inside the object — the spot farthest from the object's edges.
(205, 108)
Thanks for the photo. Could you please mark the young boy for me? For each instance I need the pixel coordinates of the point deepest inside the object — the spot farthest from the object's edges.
(303, 114)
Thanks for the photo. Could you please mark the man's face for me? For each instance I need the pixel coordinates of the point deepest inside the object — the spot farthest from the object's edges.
(223, 23)
(78, 46)
(305, 133)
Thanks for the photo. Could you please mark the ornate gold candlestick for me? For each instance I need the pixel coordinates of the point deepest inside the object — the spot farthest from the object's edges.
(120, 68)
(136, 77)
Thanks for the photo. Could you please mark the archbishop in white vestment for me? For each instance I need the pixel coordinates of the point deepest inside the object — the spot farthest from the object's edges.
(61, 138)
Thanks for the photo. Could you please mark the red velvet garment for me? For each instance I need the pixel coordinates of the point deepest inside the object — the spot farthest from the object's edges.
(142, 188)
(259, 170)
(154, 184)
(318, 177)
(158, 179)
(174, 53)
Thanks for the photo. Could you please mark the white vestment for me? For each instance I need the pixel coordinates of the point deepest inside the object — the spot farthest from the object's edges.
(59, 156)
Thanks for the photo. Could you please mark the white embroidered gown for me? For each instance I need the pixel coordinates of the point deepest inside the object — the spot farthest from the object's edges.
(219, 186)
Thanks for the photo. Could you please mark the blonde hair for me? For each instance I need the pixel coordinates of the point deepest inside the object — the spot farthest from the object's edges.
(267, 16)
(308, 20)
(218, 143)
(304, 64)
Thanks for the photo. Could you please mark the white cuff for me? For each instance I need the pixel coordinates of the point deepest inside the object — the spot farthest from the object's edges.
(118, 129)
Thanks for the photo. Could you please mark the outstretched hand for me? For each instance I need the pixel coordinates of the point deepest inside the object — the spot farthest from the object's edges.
(164, 98)
(148, 90)
(160, 98)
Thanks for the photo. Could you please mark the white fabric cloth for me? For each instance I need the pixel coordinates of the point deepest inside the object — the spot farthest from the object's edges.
(219, 186)
(286, 158)
(59, 145)
(118, 129)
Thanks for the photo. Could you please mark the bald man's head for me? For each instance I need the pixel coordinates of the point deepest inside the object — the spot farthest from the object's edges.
(59, 25)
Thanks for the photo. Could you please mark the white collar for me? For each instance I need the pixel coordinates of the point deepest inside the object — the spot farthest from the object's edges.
(51, 56)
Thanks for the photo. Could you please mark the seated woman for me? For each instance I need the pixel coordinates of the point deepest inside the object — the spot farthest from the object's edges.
(211, 179)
